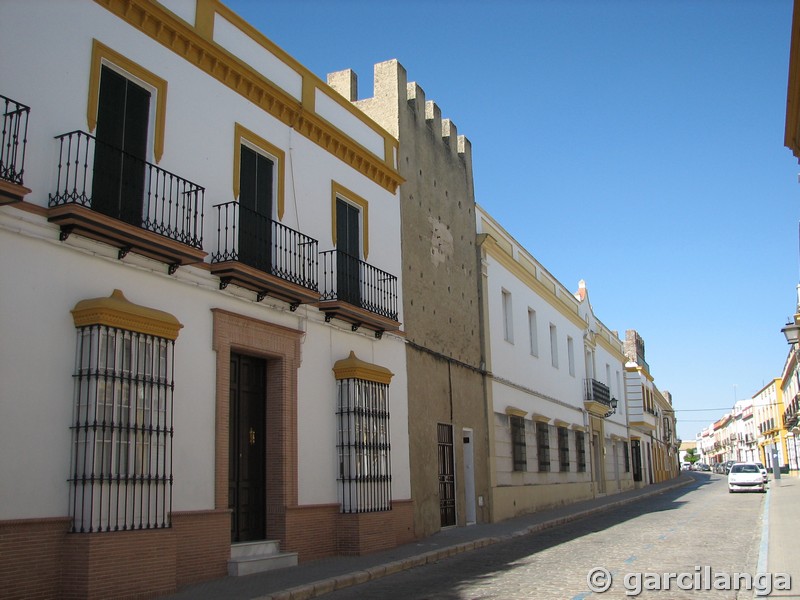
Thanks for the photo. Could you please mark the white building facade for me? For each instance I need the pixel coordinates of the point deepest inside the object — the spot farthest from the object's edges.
(555, 371)
(206, 318)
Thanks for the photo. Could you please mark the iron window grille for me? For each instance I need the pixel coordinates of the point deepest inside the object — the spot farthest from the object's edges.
(563, 448)
(122, 431)
(363, 445)
(519, 450)
(580, 450)
(543, 445)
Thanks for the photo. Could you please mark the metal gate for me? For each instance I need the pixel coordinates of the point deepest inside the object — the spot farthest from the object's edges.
(447, 479)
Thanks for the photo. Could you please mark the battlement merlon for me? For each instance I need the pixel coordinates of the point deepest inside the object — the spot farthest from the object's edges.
(391, 93)
(345, 83)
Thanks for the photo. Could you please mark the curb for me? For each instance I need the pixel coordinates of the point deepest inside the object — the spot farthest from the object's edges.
(326, 586)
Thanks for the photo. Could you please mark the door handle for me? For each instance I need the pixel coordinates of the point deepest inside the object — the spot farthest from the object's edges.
(252, 437)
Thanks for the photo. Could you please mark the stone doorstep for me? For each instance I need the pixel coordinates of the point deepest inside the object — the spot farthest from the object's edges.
(256, 557)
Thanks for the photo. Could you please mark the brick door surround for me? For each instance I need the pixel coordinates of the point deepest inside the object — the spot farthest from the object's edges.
(280, 347)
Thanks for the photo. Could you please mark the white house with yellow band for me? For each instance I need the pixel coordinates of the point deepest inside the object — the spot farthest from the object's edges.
(208, 372)
(558, 430)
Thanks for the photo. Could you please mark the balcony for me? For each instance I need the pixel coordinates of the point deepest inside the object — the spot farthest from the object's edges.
(596, 398)
(358, 293)
(790, 414)
(13, 140)
(114, 197)
(264, 256)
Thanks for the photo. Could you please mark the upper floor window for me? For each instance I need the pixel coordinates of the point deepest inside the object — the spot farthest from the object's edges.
(533, 331)
(571, 355)
(554, 345)
(508, 318)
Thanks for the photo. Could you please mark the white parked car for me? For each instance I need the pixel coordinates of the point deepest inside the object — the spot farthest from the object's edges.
(745, 477)
(763, 470)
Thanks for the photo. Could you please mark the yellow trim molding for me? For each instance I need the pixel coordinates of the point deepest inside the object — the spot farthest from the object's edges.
(101, 53)
(560, 423)
(582, 428)
(196, 46)
(353, 367)
(539, 418)
(242, 133)
(493, 248)
(515, 412)
(339, 191)
(118, 311)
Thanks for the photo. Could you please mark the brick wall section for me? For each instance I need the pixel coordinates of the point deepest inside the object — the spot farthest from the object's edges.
(365, 533)
(203, 545)
(311, 531)
(120, 564)
(28, 547)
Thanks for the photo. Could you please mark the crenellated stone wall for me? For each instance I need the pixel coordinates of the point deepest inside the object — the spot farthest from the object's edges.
(440, 288)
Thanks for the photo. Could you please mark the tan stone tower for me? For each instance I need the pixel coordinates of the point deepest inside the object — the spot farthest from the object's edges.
(446, 398)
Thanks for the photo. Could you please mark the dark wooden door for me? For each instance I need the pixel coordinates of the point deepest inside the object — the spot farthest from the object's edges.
(636, 459)
(447, 476)
(247, 470)
(348, 286)
(123, 113)
(255, 210)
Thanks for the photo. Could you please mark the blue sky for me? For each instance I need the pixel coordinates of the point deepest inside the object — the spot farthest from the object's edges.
(632, 143)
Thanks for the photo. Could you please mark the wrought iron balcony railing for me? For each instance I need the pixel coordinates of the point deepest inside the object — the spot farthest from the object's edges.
(348, 279)
(596, 391)
(14, 140)
(245, 236)
(119, 185)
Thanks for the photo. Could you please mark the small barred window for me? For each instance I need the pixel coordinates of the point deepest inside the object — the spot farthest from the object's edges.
(518, 447)
(580, 450)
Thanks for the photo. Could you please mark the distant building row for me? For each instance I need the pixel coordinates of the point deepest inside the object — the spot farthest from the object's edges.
(250, 318)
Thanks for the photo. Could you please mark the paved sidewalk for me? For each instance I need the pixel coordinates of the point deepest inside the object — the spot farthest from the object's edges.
(315, 578)
(782, 533)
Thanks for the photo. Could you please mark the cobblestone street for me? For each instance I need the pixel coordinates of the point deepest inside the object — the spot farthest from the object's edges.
(681, 531)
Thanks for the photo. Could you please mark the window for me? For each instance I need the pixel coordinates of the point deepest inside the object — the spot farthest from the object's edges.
(532, 330)
(123, 115)
(348, 286)
(543, 445)
(626, 457)
(256, 191)
(508, 318)
(519, 451)
(121, 475)
(580, 450)
(571, 355)
(554, 345)
(563, 448)
(363, 446)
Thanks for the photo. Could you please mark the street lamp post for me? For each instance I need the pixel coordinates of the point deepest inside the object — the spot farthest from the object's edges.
(792, 332)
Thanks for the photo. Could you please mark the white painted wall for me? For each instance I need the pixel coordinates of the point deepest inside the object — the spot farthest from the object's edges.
(46, 278)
